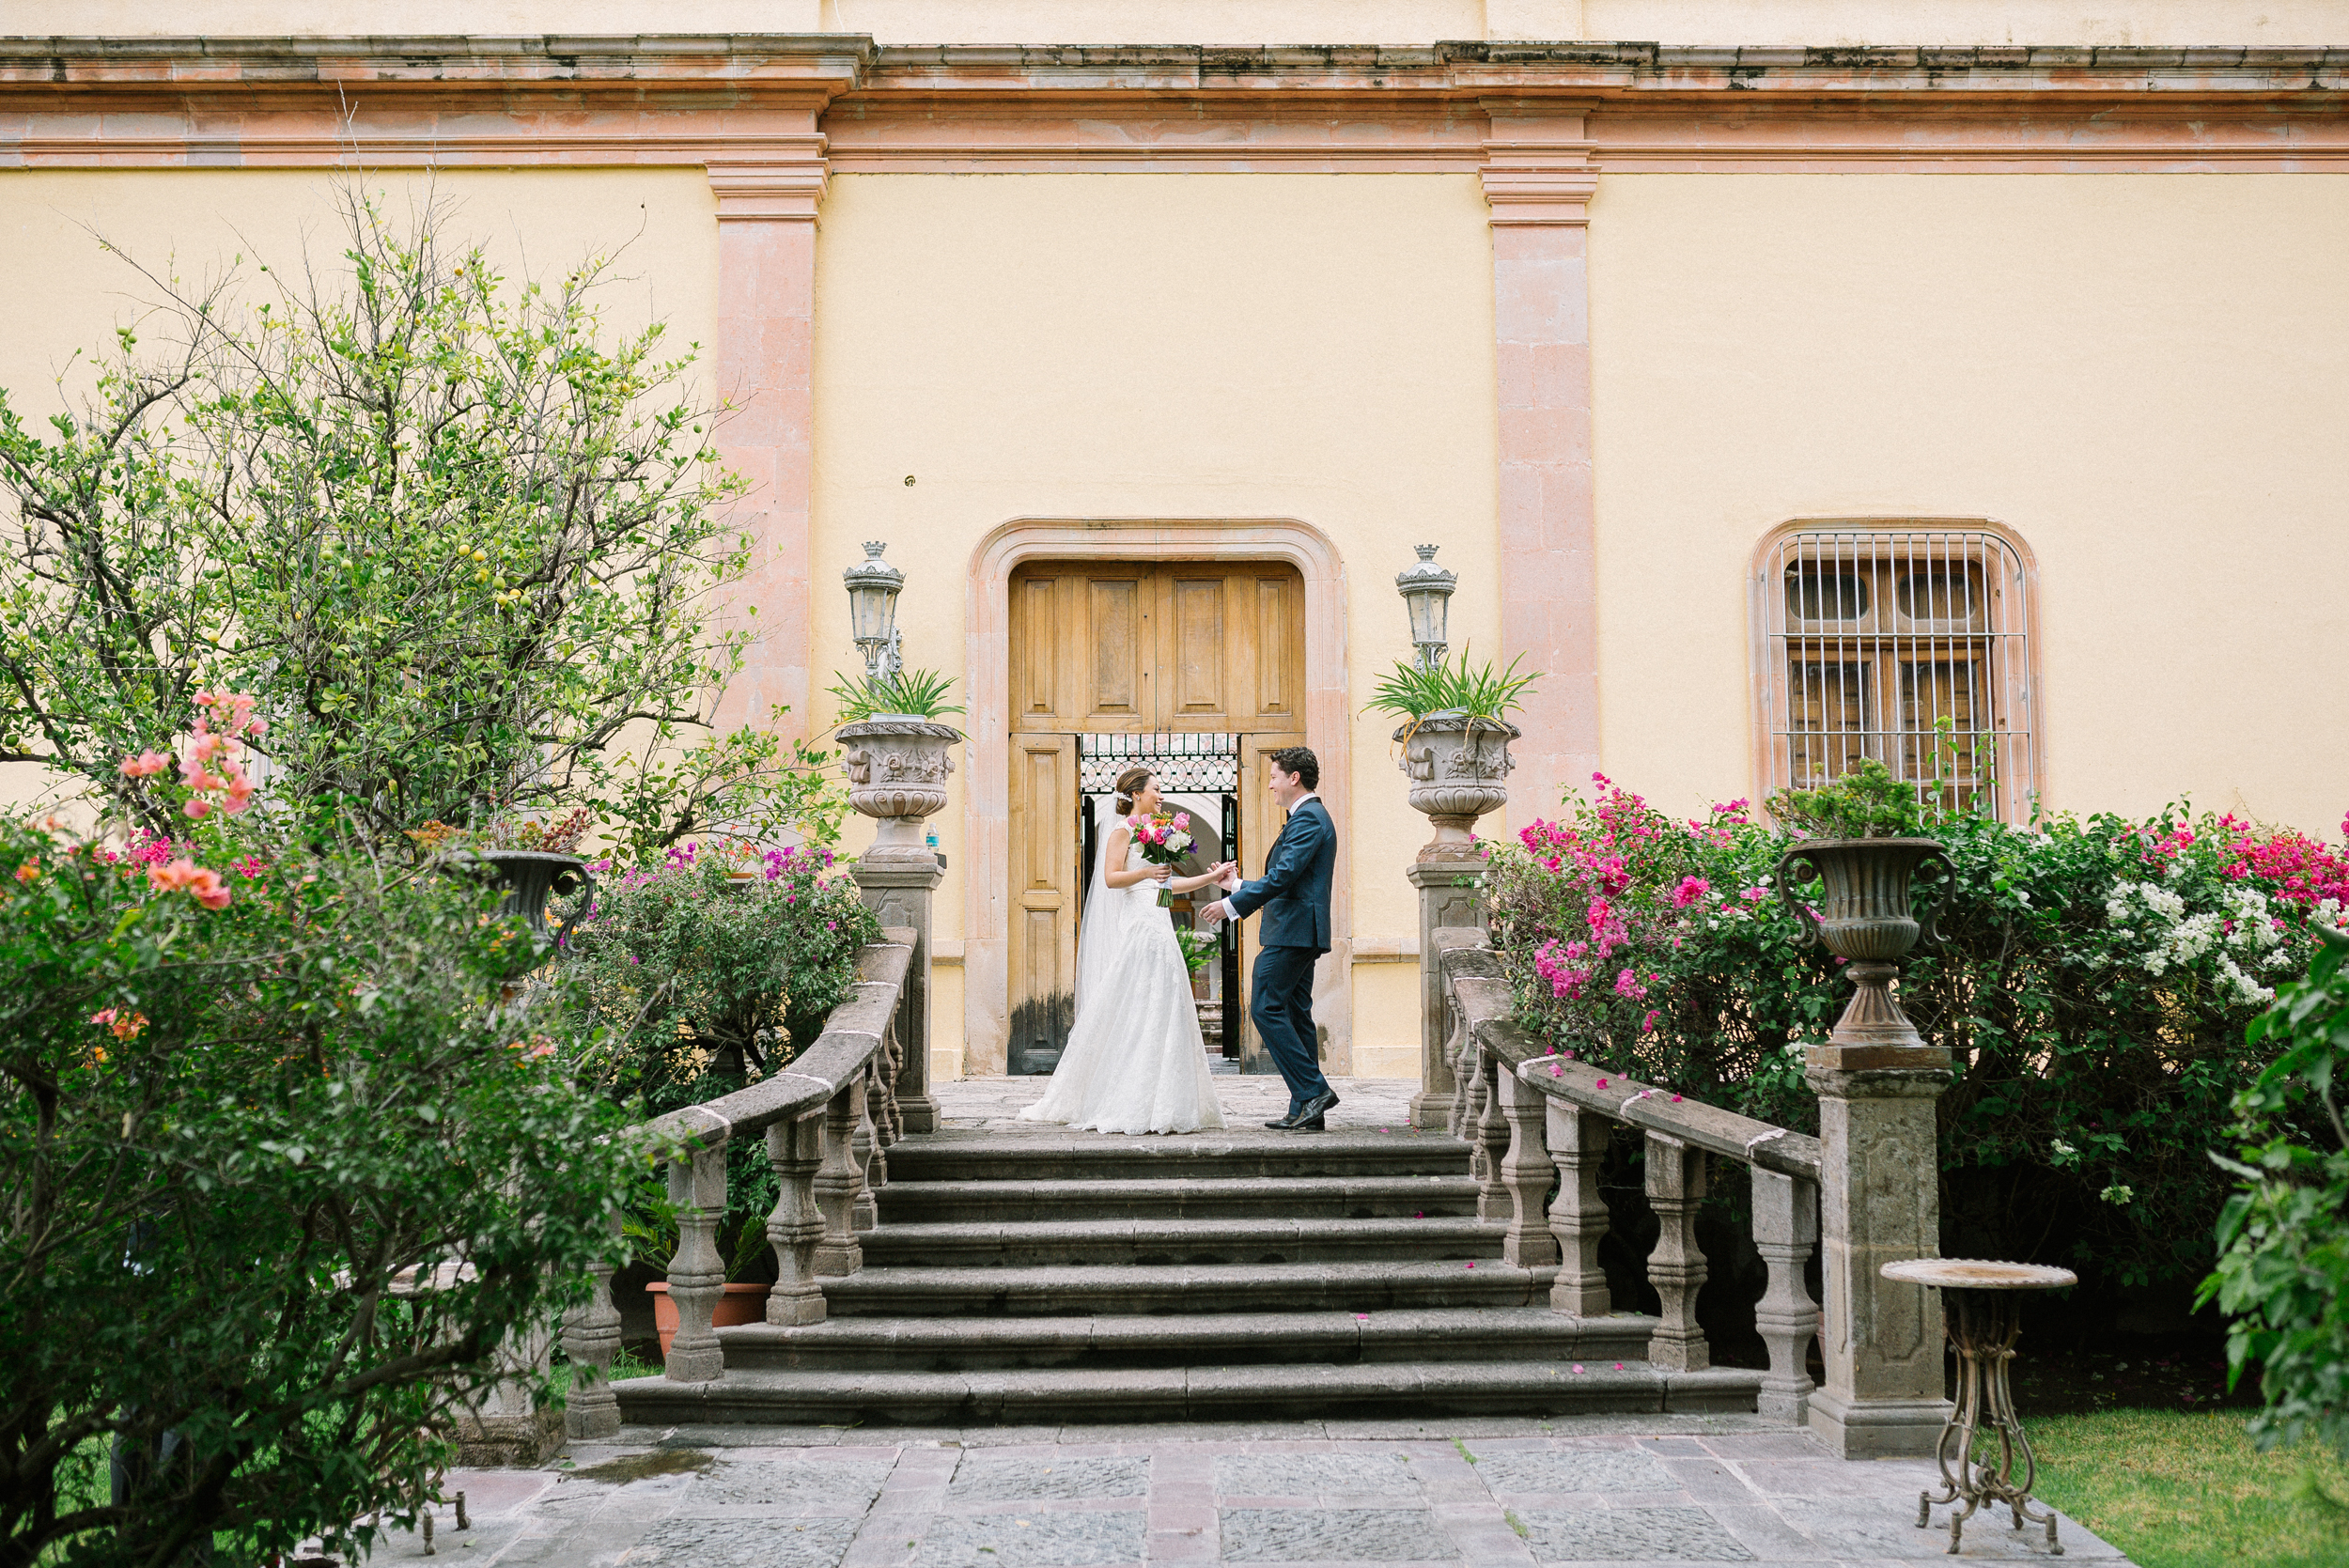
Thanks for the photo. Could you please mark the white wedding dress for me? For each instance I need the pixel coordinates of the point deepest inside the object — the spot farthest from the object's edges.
(1135, 1060)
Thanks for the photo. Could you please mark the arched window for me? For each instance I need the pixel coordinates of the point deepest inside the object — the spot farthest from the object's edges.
(1906, 642)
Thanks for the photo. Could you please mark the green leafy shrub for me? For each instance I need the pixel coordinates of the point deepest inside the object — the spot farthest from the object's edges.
(2283, 1237)
(710, 962)
(2094, 981)
(1866, 802)
(468, 551)
(254, 1088)
(708, 972)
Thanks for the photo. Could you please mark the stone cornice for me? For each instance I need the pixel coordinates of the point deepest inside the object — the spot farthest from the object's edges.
(853, 63)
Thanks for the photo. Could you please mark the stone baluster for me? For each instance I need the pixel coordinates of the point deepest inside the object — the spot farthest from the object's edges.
(1526, 1171)
(591, 1336)
(697, 1274)
(1785, 1228)
(877, 1158)
(838, 1180)
(1490, 1144)
(864, 1155)
(795, 1148)
(1578, 1141)
(1675, 1190)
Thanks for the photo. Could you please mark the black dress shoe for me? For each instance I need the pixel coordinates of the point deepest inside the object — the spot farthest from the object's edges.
(1282, 1124)
(1304, 1124)
(1314, 1108)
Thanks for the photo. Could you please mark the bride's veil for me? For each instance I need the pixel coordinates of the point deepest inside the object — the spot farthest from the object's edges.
(1102, 928)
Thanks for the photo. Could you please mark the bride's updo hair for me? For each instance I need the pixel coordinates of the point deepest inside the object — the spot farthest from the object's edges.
(1129, 784)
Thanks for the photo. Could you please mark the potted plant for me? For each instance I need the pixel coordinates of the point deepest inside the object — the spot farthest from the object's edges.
(896, 755)
(534, 859)
(1455, 740)
(1863, 840)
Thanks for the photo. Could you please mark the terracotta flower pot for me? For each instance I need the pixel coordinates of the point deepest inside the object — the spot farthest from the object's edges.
(741, 1304)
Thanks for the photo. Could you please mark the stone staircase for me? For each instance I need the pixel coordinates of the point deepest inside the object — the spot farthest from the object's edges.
(1034, 1277)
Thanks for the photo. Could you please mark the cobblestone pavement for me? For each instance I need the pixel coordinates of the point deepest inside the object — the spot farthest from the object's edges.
(992, 1105)
(1593, 1492)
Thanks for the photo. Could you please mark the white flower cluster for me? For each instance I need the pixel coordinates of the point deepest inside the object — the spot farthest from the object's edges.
(2242, 932)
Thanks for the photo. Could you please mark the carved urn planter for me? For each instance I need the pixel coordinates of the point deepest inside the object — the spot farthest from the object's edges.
(1457, 766)
(1864, 917)
(898, 768)
(530, 875)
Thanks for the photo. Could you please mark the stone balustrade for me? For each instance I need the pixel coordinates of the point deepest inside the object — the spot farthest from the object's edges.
(1532, 1120)
(828, 1118)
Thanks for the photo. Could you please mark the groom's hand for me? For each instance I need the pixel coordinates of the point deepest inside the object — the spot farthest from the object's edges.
(1229, 881)
(1212, 916)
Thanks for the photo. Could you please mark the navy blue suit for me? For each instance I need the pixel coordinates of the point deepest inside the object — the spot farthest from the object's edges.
(1294, 894)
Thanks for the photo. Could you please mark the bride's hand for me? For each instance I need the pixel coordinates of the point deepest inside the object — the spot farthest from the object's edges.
(1160, 872)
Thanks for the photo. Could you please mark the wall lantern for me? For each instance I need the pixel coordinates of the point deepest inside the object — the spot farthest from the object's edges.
(873, 588)
(1426, 590)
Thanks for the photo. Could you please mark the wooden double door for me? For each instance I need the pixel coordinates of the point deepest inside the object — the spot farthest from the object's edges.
(1132, 647)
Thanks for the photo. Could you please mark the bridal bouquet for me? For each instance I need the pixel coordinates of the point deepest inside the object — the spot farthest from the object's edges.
(1163, 839)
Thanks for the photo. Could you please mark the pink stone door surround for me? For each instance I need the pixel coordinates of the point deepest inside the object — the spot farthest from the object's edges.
(987, 675)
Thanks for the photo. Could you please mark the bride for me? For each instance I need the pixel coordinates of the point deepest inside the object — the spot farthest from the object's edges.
(1135, 1061)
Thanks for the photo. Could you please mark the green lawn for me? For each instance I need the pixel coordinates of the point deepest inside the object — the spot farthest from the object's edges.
(2186, 1489)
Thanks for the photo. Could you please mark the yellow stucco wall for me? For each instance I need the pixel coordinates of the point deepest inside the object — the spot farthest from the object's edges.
(2145, 376)
(1392, 22)
(1096, 345)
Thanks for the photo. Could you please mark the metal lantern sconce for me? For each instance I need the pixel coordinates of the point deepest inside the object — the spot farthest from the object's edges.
(873, 588)
(1426, 590)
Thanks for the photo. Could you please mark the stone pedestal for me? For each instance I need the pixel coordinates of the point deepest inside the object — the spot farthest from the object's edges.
(1451, 892)
(1880, 1202)
(897, 882)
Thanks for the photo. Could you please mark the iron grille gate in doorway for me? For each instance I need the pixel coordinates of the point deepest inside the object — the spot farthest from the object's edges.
(1184, 763)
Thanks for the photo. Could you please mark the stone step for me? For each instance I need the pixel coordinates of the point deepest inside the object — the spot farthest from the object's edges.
(1090, 1291)
(973, 1156)
(1333, 1339)
(1389, 1388)
(1183, 1197)
(1034, 1244)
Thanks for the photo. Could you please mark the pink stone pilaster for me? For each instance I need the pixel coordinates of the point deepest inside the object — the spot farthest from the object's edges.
(1538, 182)
(766, 212)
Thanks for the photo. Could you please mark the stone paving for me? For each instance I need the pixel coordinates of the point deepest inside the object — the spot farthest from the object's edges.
(1577, 1492)
(1590, 1491)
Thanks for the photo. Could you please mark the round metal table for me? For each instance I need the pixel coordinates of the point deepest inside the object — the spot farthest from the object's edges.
(1982, 1305)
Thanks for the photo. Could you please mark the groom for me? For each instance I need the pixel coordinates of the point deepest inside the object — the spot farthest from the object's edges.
(1294, 894)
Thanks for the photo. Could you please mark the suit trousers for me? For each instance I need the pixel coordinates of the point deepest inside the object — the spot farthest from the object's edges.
(1281, 1001)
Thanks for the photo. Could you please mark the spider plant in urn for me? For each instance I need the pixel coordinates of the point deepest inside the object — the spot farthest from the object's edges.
(1455, 740)
(1863, 839)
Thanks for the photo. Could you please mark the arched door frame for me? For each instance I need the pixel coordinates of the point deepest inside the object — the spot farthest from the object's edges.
(987, 828)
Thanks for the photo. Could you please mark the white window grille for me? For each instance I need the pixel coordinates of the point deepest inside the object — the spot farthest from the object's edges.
(1906, 643)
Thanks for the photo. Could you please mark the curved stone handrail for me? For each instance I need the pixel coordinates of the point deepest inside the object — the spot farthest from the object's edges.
(1532, 1118)
(827, 1119)
(853, 1030)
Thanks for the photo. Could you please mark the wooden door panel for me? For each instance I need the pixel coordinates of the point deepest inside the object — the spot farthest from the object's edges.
(1037, 643)
(1278, 646)
(1044, 903)
(1117, 640)
(1194, 661)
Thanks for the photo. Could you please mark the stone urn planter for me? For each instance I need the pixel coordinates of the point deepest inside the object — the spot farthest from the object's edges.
(530, 875)
(1457, 766)
(897, 765)
(1864, 917)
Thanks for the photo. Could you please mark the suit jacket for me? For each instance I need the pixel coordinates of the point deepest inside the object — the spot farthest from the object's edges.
(1294, 890)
